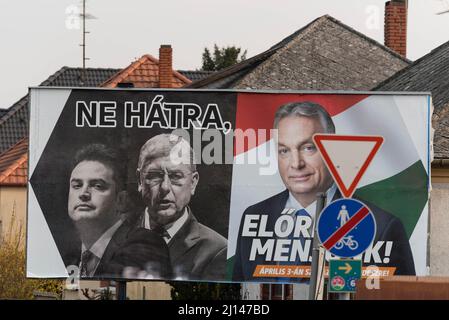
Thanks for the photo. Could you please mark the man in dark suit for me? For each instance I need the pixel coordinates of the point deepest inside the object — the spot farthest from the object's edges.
(167, 179)
(304, 174)
(110, 243)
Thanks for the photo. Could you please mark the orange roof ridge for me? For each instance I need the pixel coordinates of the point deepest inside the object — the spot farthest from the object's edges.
(175, 73)
(19, 162)
(113, 81)
(122, 74)
(13, 159)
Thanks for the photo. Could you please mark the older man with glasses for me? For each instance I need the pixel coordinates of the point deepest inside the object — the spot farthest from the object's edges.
(167, 179)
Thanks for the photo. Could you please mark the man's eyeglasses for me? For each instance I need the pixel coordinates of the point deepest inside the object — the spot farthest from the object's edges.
(156, 177)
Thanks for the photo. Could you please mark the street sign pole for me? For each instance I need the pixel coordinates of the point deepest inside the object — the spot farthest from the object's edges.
(343, 295)
(320, 203)
(346, 227)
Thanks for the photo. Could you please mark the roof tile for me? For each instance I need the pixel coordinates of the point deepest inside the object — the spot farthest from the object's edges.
(324, 55)
(144, 73)
(14, 164)
(429, 73)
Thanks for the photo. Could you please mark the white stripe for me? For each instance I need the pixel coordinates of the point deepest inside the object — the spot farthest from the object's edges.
(415, 117)
(250, 187)
(379, 115)
(418, 242)
(46, 106)
(43, 257)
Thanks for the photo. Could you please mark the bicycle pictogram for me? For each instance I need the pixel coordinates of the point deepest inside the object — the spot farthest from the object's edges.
(347, 241)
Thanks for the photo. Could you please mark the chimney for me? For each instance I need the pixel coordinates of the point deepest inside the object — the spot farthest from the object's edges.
(165, 66)
(396, 26)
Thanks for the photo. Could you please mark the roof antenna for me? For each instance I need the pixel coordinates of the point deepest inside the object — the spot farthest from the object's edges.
(85, 16)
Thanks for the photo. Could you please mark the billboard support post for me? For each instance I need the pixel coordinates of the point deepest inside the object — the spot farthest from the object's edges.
(121, 290)
(321, 200)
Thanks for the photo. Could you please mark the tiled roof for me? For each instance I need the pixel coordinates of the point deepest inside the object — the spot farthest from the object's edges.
(143, 73)
(3, 112)
(196, 75)
(14, 165)
(75, 77)
(429, 73)
(324, 55)
(14, 122)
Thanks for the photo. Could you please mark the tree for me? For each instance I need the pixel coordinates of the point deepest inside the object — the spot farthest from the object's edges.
(13, 281)
(221, 58)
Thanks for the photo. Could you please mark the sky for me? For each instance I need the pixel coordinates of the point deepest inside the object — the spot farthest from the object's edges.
(38, 37)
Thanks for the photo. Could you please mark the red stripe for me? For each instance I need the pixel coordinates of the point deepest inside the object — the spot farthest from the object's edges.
(348, 226)
(257, 110)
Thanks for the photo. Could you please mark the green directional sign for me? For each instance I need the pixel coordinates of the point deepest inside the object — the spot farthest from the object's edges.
(343, 275)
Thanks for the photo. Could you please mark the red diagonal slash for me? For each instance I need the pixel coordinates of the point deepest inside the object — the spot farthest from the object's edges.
(348, 226)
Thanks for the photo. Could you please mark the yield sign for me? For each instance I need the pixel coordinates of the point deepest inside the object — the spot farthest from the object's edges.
(347, 157)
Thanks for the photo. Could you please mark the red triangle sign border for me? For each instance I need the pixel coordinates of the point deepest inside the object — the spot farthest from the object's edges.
(346, 192)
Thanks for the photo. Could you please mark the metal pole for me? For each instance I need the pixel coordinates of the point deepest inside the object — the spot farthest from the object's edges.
(83, 77)
(320, 202)
(84, 34)
(120, 288)
(343, 296)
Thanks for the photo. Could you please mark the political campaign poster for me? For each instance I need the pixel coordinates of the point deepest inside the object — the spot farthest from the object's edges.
(214, 185)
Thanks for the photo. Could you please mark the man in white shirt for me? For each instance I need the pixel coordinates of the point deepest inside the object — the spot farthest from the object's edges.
(108, 245)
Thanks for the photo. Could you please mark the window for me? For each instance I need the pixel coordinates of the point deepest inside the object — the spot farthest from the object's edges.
(277, 291)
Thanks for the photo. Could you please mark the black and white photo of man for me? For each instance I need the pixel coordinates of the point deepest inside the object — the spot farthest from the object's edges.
(109, 242)
(167, 180)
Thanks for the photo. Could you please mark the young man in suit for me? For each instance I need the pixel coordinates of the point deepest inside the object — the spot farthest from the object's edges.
(109, 242)
(167, 179)
(304, 175)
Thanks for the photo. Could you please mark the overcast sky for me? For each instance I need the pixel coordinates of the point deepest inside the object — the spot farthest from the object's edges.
(38, 37)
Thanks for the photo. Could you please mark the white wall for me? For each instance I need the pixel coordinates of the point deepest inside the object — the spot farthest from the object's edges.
(439, 230)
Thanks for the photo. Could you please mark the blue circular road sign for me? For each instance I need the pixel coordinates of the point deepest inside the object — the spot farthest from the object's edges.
(346, 227)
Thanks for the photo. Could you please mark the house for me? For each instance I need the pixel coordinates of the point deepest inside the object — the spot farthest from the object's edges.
(431, 73)
(324, 55)
(148, 72)
(13, 181)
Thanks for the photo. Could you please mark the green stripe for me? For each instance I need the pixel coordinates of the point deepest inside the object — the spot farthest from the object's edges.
(230, 268)
(404, 195)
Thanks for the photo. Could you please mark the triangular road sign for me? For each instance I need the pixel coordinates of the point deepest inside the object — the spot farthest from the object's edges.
(347, 157)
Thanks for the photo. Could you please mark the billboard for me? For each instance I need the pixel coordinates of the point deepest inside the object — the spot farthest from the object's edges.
(214, 185)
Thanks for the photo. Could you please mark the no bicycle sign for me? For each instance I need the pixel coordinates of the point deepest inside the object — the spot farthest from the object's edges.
(346, 228)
